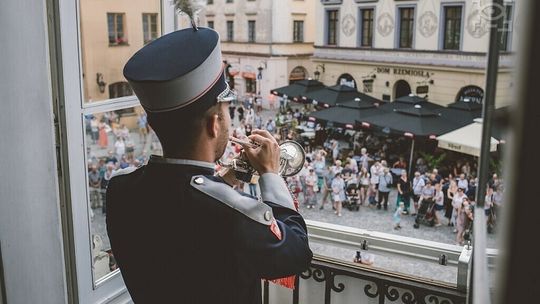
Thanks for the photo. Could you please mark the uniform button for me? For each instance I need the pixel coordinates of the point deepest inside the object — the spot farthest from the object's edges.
(267, 216)
(199, 181)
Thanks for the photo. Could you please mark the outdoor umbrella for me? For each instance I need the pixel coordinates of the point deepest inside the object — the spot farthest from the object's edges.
(362, 102)
(466, 139)
(345, 116)
(293, 91)
(330, 96)
(463, 112)
(410, 100)
(413, 121)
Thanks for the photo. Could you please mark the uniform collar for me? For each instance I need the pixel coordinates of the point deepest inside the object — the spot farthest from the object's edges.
(177, 161)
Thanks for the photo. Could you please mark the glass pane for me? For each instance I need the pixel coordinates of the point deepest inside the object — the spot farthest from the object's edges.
(114, 140)
(111, 31)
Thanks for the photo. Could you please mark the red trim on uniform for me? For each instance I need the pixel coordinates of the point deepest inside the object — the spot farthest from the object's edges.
(275, 229)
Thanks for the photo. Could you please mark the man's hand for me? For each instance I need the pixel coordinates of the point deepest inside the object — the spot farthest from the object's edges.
(265, 157)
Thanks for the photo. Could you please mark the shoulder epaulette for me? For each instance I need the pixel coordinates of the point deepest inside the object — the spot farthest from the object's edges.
(248, 206)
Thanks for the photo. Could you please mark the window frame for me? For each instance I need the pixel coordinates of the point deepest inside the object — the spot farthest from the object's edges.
(327, 26)
(298, 35)
(115, 16)
(210, 24)
(111, 286)
(149, 17)
(252, 32)
(442, 26)
(397, 33)
(230, 31)
(361, 26)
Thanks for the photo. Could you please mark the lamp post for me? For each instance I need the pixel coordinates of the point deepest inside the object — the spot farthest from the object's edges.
(101, 84)
(317, 73)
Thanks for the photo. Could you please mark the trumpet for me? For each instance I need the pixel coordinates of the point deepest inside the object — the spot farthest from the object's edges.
(291, 160)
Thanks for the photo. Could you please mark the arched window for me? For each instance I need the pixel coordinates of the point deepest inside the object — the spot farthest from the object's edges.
(346, 79)
(298, 73)
(470, 93)
(401, 88)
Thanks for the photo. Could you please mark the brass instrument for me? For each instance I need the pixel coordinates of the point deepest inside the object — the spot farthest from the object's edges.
(291, 160)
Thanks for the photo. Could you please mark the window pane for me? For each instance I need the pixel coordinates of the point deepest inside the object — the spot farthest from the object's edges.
(452, 30)
(406, 27)
(128, 26)
(114, 140)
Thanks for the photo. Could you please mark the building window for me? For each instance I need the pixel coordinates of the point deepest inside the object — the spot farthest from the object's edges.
(251, 85)
(366, 32)
(210, 2)
(229, 1)
(211, 24)
(452, 27)
(119, 89)
(406, 27)
(230, 30)
(251, 31)
(507, 28)
(331, 27)
(117, 35)
(298, 31)
(149, 22)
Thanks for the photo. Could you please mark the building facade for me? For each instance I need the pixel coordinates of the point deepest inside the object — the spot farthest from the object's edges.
(266, 43)
(432, 48)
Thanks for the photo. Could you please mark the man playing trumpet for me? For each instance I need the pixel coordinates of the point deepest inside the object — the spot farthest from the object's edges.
(179, 233)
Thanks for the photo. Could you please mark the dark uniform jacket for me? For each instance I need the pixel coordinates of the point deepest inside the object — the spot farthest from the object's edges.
(181, 235)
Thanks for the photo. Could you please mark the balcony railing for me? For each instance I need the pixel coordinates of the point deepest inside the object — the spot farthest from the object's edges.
(333, 280)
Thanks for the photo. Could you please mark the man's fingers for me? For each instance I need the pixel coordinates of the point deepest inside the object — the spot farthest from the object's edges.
(259, 139)
(263, 133)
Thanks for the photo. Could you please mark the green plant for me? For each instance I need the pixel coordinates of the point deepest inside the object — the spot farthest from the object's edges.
(432, 161)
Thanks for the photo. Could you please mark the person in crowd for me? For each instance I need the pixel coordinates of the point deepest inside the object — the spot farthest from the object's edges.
(142, 123)
(435, 176)
(418, 184)
(103, 138)
(119, 147)
(302, 175)
(94, 128)
(397, 215)
(232, 112)
(104, 183)
(428, 192)
(364, 158)
(334, 148)
(457, 199)
(466, 169)
(257, 120)
(338, 193)
(494, 182)
(353, 164)
(319, 164)
(385, 180)
(439, 204)
(452, 189)
(337, 168)
(311, 194)
(363, 178)
(374, 171)
(400, 164)
(248, 129)
(271, 126)
(471, 190)
(421, 165)
(94, 181)
(462, 182)
(404, 190)
(463, 219)
(328, 177)
(240, 111)
(259, 102)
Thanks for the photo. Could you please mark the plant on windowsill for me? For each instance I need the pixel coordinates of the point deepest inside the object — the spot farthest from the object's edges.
(118, 42)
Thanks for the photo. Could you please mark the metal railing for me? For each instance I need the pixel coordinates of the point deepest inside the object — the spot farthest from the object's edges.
(380, 284)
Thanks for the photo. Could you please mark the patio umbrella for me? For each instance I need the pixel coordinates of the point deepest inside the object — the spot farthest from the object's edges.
(362, 102)
(345, 116)
(463, 112)
(330, 96)
(295, 90)
(405, 102)
(413, 121)
(466, 139)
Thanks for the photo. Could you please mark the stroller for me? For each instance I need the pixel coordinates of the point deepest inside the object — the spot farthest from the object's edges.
(425, 214)
(352, 195)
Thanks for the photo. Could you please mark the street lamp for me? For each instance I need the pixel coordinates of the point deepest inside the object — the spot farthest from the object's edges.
(101, 84)
(317, 73)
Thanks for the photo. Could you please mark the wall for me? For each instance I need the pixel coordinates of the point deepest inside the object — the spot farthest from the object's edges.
(30, 226)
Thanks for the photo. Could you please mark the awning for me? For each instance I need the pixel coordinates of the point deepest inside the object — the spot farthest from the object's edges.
(466, 139)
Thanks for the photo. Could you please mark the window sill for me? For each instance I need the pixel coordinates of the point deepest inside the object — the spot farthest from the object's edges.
(118, 44)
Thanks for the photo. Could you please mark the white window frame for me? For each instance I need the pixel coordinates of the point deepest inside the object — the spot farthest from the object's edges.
(110, 288)
(442, 26)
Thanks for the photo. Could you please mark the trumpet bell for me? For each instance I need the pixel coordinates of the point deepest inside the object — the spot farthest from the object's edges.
(291, 159)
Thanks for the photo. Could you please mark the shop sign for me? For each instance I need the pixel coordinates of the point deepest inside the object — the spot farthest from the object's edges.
(471, 94)
(422, 89)
(404, 72)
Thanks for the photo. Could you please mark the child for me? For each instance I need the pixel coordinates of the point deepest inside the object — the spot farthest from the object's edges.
(397, 215)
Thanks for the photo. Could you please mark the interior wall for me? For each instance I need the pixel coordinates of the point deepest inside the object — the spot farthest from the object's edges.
(30, 227)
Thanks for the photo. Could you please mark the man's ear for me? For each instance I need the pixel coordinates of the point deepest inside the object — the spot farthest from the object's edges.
(212, 126)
